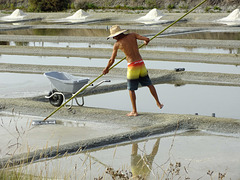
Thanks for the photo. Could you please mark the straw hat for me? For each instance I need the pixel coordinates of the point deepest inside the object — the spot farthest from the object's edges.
(115, 30)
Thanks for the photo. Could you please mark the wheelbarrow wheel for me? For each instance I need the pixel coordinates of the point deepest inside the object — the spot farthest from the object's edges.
(56, 99)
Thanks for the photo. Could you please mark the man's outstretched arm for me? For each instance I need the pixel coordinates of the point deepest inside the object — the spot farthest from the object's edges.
(145, 39)
(111, 60)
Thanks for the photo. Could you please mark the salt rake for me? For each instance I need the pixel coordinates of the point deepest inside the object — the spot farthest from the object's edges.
(93, 81)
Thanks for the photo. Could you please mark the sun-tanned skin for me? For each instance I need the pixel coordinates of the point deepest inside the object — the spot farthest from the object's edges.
(128, 44)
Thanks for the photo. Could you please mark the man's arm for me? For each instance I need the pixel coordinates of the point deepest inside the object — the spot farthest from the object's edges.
(145, 39)
(112, 59)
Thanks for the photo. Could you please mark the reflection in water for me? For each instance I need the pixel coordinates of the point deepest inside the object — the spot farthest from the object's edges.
(70, 32)
(209, 35)
(195, 151)
(22, 43)
(4, 43)
(105, 32)
(189, 99)
(109, 46)
(99, 62)
(141, 164)
(214, 50)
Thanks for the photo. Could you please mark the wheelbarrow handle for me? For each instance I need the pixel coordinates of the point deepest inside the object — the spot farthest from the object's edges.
(107, 80)
(98, 84)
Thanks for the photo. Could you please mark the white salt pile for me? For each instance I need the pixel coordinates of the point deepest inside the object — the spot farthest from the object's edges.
(16, 15)
(79, 15)
(153, 15)
(234, 16)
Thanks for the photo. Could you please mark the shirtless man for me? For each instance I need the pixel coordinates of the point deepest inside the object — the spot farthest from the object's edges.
(137, 72)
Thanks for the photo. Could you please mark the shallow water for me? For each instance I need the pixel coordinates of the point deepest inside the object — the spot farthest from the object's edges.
(209, 35)
(194, 50)
(105, 33)
(88, 32)
(109, 46)
(20, 85)
(17, 133)
(15, 85)
(187, 99)
(97, 62)
(196, 152)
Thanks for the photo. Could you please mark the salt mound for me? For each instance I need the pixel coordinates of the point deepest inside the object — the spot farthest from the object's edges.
(17, 14)
(153, 15)
(234, 16)
(80, 14)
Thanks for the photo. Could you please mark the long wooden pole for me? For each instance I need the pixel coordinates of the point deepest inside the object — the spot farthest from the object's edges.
(93, 81)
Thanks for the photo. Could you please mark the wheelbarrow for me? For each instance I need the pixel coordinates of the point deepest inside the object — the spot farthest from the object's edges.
(63, 82)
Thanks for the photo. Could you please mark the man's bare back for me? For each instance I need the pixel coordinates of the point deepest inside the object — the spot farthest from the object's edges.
(128, 44)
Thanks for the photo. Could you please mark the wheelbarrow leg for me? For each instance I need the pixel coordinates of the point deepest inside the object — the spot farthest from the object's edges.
(70, 106)
(89, 90)
(78, 102)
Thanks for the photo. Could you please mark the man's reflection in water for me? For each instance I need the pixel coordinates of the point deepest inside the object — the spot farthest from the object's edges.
(141, 165)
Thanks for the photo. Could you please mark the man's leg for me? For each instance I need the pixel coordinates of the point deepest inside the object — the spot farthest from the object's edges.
(154, 94)
(133, 101)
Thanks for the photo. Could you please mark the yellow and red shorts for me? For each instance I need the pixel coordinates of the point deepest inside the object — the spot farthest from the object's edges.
(137, 73)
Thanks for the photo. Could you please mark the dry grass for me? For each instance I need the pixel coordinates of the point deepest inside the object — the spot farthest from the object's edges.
(47, 169)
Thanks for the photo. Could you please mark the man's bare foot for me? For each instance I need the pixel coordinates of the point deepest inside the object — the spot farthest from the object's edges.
(132, 114)
(160, 105)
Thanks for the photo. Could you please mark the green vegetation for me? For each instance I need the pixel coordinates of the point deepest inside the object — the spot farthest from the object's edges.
(171, 7)
(216, 8)
(213, 9)
(128, 7)
(86, 5)
(151, 4)
(48, 5)
(61, 5)
(186, 7)
(207, 9)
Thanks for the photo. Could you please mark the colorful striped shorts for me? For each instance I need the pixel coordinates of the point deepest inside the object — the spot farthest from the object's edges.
(137, 73)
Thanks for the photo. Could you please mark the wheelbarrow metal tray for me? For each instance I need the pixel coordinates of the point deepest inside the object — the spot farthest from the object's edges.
(65, 82)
